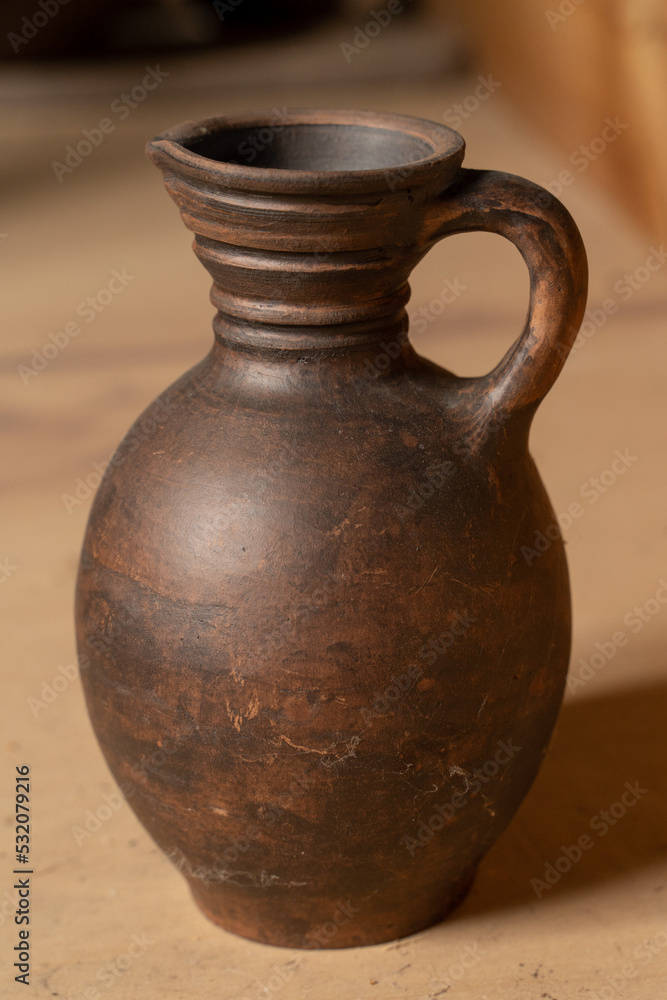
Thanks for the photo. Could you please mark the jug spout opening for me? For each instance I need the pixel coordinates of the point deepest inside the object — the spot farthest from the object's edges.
(308, 151)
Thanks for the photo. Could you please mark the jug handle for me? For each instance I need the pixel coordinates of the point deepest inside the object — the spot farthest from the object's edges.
(546, 236)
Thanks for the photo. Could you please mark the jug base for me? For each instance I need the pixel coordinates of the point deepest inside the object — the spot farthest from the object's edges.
(350, 927)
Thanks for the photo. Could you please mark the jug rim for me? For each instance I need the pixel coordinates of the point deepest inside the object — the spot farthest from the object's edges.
(410, 150)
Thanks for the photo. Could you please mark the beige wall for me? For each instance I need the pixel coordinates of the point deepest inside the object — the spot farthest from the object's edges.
(570, 64)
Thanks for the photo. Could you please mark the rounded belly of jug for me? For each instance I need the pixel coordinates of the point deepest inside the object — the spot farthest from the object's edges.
(324, 696)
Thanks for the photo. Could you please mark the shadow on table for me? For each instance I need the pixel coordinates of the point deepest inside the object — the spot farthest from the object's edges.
(602, 747)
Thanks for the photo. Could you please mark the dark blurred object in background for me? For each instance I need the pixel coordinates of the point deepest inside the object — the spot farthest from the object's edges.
(54, 29)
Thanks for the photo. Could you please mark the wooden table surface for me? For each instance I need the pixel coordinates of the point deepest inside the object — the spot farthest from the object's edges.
(593, 926)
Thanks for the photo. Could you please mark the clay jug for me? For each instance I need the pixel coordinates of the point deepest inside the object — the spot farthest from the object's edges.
(317, 660)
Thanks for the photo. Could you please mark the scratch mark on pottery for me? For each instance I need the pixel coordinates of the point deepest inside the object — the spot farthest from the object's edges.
(426, 583)
(502, 651)
(336, 531)
(262, 880)
(298, 746)
(475, 590)
(237, 718)
(488, 806)
(236, 676)
(351, 744)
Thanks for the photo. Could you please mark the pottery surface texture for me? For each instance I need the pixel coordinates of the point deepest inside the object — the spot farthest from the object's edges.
(316, 659)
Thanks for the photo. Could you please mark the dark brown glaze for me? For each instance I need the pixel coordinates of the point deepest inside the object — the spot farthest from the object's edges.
(318, 663)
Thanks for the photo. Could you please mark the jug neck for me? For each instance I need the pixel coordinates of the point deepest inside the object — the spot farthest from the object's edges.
(311, 246)
(320, 300)
(311, 341)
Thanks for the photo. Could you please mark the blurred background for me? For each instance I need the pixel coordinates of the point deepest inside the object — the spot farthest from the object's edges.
(573, 95)
(564, 65)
